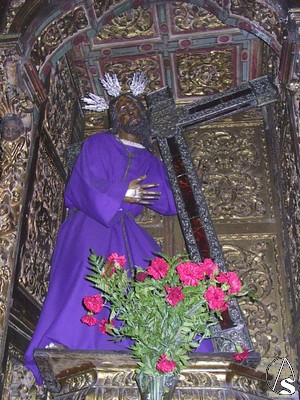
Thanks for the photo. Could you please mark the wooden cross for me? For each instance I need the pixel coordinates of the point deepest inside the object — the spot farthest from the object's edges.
(168, 123)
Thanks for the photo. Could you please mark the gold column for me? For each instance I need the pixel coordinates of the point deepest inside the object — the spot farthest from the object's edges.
(16, 127)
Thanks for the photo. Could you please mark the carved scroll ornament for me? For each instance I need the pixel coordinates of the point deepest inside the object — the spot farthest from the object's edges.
(15, 126)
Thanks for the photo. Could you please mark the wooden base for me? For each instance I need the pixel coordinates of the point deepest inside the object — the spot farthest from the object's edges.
(110, 375)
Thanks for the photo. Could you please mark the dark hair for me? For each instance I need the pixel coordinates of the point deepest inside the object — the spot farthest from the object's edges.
(144, 126)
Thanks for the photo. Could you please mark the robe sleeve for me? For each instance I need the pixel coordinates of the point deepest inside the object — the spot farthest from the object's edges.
(90, 187)
(165, 205)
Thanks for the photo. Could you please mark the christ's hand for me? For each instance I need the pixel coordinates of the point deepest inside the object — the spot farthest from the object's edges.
(139, 193)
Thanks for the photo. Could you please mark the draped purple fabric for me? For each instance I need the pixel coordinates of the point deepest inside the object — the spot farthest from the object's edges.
(99, 220)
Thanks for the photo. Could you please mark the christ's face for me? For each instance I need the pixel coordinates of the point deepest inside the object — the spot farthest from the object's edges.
(128, 112)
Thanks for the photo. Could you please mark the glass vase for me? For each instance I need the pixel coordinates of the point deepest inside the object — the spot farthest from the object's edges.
(156, 387)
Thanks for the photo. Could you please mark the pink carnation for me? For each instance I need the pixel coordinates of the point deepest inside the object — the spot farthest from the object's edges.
(216, 298)
(93, 303)
(115, 258)
(232, 280)
(165, 365)
(103, 325)
(241, 356)
(210, 268)
(89, 320)
(174, 295)
(190, 273)
(158, 268)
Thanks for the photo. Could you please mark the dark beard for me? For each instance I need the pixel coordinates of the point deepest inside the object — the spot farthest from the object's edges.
(140, 130)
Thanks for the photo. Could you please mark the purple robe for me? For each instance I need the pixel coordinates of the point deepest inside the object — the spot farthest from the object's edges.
(99, 220)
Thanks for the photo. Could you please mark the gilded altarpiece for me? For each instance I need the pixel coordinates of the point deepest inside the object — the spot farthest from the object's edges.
(236, 174)
(46, 205)
(17, 136)
(59, 122)
(14, 166)
(288, 144)
(56, 32)
(45, 216)
(19, 381)
(288, 139)
(230, 157)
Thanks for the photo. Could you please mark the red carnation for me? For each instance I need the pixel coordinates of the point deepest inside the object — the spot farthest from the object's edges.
(165, 365)
(216, 298)
(158, 268)
(89, 320)
(210, 268)
(93, 303)
(141, 276)
(242, 355)
(115, 258)
(232, 280)
(174, 295)
(190, 273)
(105, 325)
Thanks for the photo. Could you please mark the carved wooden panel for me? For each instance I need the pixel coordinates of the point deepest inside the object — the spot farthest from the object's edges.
(19, 383)
(56, 32)
(191, 18)
(60, 110)
(288, 145)
(137, 23)
(290, 167)
(102, 6)
(14, 164)
(260, 12)
(15, 144)
(205, 72)
(45, 216)
(256, 259)
(232, 162)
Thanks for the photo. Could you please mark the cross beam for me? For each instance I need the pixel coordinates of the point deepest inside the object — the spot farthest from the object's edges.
(168, 123)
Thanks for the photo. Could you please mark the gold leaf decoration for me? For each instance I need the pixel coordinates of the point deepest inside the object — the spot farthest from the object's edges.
(260, 12)
(44, 219)
(132, 24)
(205, 73)
(231, 165)
(101, 6)
(190, 17)
(60, 109)
(52, 37)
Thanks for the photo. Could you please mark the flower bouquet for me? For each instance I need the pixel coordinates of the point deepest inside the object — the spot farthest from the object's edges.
(166, 309)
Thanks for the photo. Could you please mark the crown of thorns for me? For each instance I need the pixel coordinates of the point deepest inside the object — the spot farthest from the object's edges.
(112, 86)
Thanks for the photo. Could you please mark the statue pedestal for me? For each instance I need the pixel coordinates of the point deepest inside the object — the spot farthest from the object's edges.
(110, 375)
